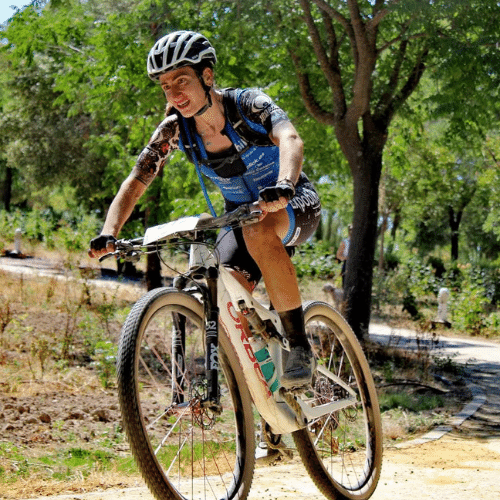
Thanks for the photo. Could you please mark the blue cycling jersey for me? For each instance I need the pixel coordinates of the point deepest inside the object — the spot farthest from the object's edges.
(248, 166)
(261, 163)
(252, 162)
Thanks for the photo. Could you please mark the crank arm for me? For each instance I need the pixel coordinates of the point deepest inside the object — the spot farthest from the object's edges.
(334, 378)
(314, 412)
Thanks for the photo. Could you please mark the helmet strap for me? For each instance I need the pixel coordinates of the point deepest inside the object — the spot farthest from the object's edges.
(209, 100)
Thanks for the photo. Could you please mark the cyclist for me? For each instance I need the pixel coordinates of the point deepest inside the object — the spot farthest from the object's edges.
(242, 141)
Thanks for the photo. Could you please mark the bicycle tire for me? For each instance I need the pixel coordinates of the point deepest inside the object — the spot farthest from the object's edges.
(198, 454)
(342, 451)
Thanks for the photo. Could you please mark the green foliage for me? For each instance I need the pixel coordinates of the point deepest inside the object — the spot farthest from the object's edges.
(313, 259)
(105, 362)
(471, 307)
(474, 293)
(20, 465)
(411, 402)
(69, 231)
(438, 187)
(77, 108)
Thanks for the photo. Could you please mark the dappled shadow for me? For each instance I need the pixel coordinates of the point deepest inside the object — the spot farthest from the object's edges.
(485, 423)
(480, 361)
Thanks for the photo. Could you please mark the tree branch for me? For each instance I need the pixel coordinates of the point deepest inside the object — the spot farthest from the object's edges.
(400, 37)
(413, 79)
(358, 25)
(380, 12)
(392, 84)
(312, 106)
(334, 14)
(329, 66)
(365, 64)
(411, 84)
(331, 38)
(317, 45)
(60, 48)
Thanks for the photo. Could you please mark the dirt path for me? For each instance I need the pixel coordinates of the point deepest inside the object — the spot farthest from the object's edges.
(454, 467)
(463, 464)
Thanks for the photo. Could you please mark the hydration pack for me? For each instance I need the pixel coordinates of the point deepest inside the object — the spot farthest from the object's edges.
(251, 133)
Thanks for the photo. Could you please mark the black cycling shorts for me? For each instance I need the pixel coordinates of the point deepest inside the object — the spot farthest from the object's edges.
(304, 213)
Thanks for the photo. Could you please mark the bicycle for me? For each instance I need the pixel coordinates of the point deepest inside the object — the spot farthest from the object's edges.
(192, 359)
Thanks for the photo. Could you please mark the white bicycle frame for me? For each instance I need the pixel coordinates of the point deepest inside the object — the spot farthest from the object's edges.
(272, 406)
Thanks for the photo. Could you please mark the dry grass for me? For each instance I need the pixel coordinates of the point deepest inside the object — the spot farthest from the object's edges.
(36, 309)
(37, 484)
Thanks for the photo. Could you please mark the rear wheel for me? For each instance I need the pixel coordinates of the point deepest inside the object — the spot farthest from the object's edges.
(183, 449)
(342, 451)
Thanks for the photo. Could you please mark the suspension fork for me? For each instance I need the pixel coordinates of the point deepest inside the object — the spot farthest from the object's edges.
(212, 339)
(211, 327)
(178, 357)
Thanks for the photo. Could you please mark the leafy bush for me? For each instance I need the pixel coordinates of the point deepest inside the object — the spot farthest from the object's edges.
(474, 300)
(316, 260)
(415, 284)
(64, 230)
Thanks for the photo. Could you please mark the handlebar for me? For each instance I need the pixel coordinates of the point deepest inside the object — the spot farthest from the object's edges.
(188, 227)
(244, 215)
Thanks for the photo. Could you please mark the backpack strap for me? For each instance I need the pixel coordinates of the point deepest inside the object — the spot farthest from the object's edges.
(251, 133)
(247, 130)
(188, 145)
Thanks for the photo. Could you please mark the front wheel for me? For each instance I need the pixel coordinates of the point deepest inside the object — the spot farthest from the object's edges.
(183, 448)
(342, 451)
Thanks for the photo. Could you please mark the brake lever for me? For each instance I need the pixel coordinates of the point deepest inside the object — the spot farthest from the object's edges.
(123, 247)
(108, 256)
(251, 218)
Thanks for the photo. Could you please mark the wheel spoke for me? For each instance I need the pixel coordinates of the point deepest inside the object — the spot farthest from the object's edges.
(345, 456)
(198, 453)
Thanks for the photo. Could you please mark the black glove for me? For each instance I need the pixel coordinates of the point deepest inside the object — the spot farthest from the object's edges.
(283, 189)
(102, 242)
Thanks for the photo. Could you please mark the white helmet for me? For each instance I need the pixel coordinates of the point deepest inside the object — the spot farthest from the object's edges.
(180, 48)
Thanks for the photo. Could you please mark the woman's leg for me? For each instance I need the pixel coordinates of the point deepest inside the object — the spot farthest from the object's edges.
(264, 243)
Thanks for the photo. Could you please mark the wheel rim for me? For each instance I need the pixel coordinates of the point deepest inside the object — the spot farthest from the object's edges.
(198, 451)
(344, 441)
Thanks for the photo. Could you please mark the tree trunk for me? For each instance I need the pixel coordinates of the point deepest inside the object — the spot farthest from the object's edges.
(359, 271)
(153, 269)
(383, 228)
(7, 189)
(395, 223)
(365, 161)
(363, 150)
(153, 272)
(455, 219)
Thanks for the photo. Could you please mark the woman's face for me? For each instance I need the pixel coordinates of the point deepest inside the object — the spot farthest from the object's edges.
(184, 91)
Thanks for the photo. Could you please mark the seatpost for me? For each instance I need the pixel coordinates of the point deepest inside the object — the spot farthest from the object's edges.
(212, 337)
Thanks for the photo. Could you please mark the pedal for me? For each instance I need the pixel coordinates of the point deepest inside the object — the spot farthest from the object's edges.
(265, 455)
(296, 391)
(271, 448)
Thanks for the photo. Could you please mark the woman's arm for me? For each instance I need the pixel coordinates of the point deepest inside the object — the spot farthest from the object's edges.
(151, 160)
(119, 211)
(291, 147)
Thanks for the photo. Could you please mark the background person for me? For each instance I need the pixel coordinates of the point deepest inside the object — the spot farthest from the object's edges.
(343, 252)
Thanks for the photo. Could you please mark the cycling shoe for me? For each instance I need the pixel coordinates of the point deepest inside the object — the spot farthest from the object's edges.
(299, 368)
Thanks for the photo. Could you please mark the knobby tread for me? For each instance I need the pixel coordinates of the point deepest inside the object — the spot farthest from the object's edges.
(324, 482)
(129, 408)
(128, 396)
